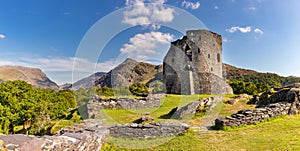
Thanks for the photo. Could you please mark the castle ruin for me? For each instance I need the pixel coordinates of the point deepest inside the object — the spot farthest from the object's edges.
(193, 65)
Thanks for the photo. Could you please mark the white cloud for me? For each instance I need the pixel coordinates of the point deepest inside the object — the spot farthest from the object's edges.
(188, 4)
(259, 31)
(141, 46)
(2, 36)
(61, 64)
(225, 39)
(238, 28)
(252, 8)
(216, 7)
(151, 15)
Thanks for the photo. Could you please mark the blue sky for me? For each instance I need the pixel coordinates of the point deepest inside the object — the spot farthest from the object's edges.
(257, 34)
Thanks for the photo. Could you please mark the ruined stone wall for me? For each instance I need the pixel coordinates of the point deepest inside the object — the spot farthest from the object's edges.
(148, 130)
(270, 104)
(246, 117)
(198, 52)
(96, 103)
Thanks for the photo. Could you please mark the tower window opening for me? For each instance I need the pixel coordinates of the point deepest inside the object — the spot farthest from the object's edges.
(198, 50)
(218, 57)
(208, 56)
(188, 52)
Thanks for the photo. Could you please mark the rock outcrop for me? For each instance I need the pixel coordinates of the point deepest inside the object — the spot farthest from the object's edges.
(191, 108)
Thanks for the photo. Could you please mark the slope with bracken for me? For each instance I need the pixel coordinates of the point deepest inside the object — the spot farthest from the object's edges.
(232, 73)
(33, 76)
(130, 72)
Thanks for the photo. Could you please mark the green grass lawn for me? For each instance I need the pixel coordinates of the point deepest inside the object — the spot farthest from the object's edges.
(114, 116)
(282, 133)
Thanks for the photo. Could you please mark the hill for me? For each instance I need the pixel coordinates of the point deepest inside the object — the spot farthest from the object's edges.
(33, 76)
(274, 80)
(130, 72)
(85, 82)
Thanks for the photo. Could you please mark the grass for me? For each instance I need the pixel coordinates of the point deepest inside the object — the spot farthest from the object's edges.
(278, 134)
(281, 133)
(228, 109)
(73, 118)
(114, 116)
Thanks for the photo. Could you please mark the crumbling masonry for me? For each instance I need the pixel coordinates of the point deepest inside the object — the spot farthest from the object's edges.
(194, 64)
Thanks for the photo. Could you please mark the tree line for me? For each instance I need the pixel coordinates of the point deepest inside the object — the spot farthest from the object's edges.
(33, 108)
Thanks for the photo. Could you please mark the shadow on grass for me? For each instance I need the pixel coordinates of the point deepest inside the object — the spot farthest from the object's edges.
(169, 115)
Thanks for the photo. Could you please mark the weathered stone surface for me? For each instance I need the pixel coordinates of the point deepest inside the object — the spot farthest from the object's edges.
(271, 103)
(96, 103)
(192, 107)
(193, 65)
(148, 130)
(245, 117)
(80, 138)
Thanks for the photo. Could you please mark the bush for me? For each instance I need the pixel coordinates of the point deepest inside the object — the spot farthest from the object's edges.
(139, 89)
(250, 88)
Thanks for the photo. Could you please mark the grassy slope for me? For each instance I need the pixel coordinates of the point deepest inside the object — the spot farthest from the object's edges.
(278, 134)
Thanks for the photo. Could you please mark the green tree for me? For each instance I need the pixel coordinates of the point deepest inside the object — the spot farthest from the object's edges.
(138, 89)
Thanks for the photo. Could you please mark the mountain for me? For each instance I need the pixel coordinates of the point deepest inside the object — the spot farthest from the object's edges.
(130, 72)
(274, 80)
(84, 83)
(33, 76)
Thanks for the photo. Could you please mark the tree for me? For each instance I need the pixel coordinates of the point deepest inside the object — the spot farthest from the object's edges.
(139, 89)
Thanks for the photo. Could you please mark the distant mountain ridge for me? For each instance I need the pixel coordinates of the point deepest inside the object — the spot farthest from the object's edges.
(33, 76)
(84, 83)
(132, 71)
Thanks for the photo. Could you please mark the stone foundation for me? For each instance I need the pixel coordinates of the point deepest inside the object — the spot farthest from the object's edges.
(148, 130)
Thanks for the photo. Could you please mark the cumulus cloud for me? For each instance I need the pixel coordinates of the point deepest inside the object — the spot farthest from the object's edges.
(151, 15)
(188, 4)
(238, 28)
(259, 31)
(2, 36)
(142, 45)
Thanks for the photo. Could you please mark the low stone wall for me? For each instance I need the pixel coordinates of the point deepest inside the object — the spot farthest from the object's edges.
(245, 117)
(271, 103)
(96, 103)
(80, 138)
(148, 130)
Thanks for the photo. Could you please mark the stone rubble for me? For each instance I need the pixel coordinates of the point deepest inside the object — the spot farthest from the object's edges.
(148, 130)
(270, 104)
(78, 137)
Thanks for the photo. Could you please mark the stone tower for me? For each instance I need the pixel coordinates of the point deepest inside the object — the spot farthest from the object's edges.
(193, 65)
